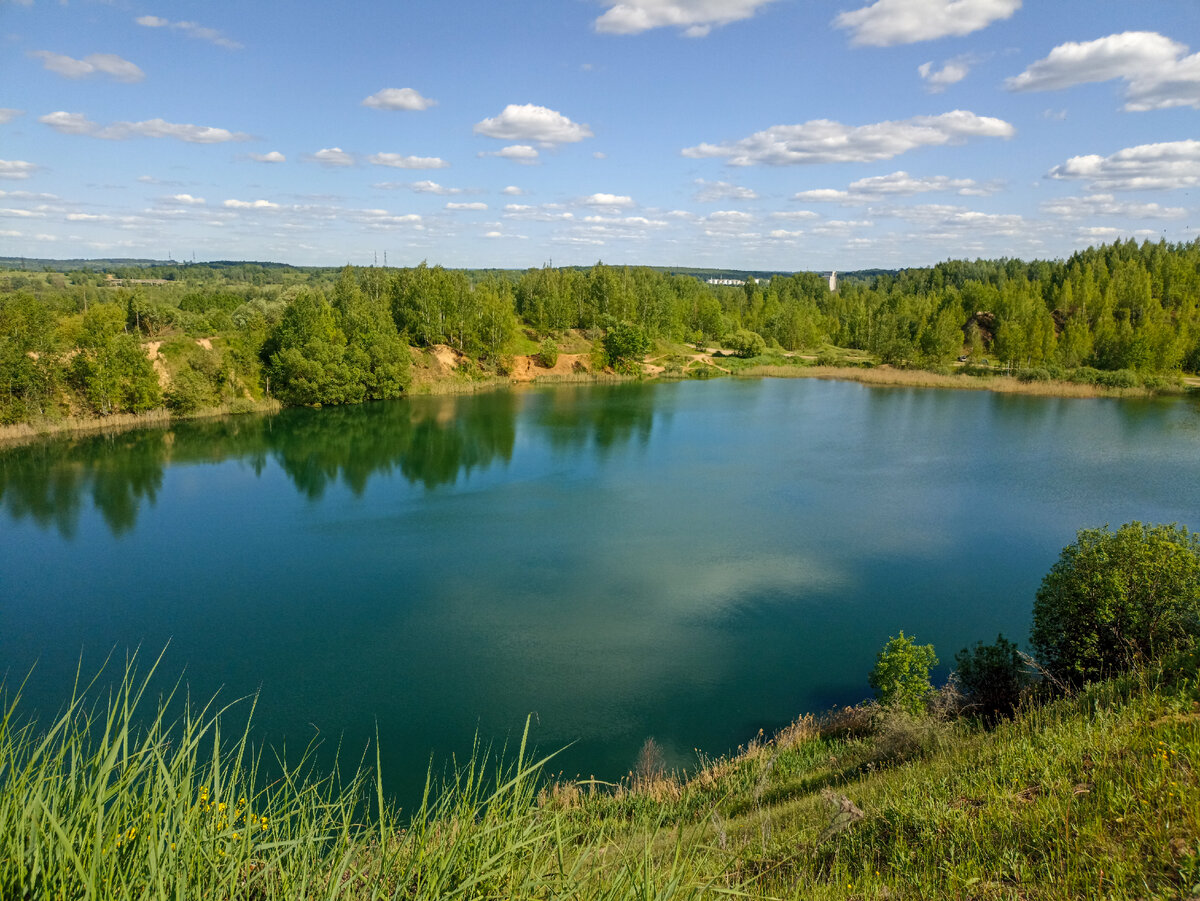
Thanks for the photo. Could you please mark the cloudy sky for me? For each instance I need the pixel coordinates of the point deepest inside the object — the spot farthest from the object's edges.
(781, 134)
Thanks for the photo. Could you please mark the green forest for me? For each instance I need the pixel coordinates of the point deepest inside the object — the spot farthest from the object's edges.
(190, 337)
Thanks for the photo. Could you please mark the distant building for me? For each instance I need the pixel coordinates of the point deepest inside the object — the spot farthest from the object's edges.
(735, 282)
(832, 279)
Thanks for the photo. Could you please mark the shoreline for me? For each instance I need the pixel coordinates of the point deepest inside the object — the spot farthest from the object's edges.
(876, 377)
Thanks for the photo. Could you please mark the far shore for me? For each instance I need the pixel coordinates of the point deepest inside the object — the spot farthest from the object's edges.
(450, 383)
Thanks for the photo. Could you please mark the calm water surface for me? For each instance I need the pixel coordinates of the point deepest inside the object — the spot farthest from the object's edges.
(690, 561)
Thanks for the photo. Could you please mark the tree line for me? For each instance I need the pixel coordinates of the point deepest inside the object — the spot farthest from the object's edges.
(77, 342)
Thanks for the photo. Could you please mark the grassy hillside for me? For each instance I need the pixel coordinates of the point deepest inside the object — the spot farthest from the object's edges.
(1093, 796)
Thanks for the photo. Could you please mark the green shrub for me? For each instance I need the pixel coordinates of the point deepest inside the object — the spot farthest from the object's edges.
(993, 678)
(1085, 375)
(901, 674)
(1119, 378)
(1037, 374)
(625, 345)
(1115, 599)
(746, 344)
(548, 354)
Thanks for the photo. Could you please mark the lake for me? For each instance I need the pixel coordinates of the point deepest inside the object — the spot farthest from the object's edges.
(690, 561)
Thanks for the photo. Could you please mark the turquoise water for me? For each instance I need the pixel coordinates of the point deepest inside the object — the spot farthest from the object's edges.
(689, 561)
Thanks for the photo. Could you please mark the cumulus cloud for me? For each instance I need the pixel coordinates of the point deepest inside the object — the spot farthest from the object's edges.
(529, 122)
(16, 169)
(512, 191)
(108, 64)
(1106, 205)
(79, 124)
(273, 157)
(398, 99)
(250, 205)
(476, 206)
(826, 141)
(430, 187)
(333, 157)
(1165, 166)
(191, 29)
(886, 23)
(518, 153)
(619, 201)
(713, 191)
(897, 184)
(795, 214)
(1155, 69)
(184, 200)
(952, 72)
(400, 161)
(695, 17)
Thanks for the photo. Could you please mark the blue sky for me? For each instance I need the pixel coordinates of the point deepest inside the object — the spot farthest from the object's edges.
(750, 134)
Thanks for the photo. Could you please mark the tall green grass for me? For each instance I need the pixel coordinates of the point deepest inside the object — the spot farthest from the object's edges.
(117, 798)
(132, 794)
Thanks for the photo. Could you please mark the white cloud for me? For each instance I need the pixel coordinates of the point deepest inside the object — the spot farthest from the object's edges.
(825, 141)
(184, 200)
(250, 205)
(466, 206)
(512, 191)
(96, 64)
(599, 155)
(1156, 72)
(518, 153)
(398, 99)
(28, 195)
(333, 157)
(16, 169)
(618, 201)
(430, 187)
(795, 214)
(1166, 166)
(7, 114)
(399, 161)
(79, 124)
(528, 122)
(886, 23)
(1106, 205)
(191, 29)
(273, 157)
(695, 17)
(22, 214)
(822, 195)
(952, 72)
(712, 191)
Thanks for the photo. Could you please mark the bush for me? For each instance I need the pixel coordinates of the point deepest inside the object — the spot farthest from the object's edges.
(746, 344)
(1114, 599)
(901, 674)
(1119, 378)
(993, 678)
(625, 345)
(1086, 375)
(1034, 375)
(548, 354)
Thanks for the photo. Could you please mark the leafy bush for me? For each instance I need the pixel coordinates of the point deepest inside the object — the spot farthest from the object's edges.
(1086, 375)
(548, 354)
(745, 343)
(1119, 378)
(1114, 599)
(190, 391)
(1037, 374)
(993, 678)
(625, 345)
(901, 674)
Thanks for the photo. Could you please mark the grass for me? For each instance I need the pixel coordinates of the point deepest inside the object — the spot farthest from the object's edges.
(1093, 796)
(920, 378)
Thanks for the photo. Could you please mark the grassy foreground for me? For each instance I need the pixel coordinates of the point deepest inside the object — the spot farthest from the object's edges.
(1094, 796)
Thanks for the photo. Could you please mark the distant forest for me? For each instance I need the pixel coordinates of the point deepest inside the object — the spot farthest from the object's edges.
(131, 337)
